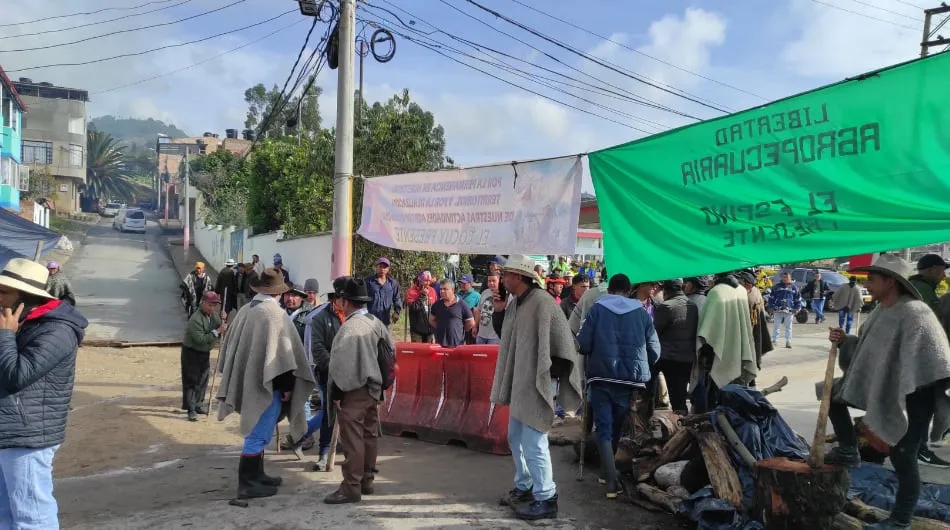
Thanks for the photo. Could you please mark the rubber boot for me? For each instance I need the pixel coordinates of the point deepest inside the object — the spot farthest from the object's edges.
(608, 469)
(264, 478)
(249, 484)
(321, 465)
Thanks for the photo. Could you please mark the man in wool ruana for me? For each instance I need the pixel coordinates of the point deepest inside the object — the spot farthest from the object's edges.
(536, 349)
(265, 374)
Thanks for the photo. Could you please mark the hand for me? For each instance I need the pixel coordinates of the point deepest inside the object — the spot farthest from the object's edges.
(11, 319)
(285, 396)
(836, 335)
(395, 318)
(498, 302)
(222, 328)
(336, 404)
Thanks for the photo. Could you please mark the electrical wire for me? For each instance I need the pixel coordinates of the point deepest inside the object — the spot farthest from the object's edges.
(865, 15)
(95, 23)
(192, 65)
(884, 9)
(638, 98)
(166, 47)
(123, 8)
(595, 60)
(634, 50)
(533, 77)
(130, 30)
(909, 4)
(940, 25)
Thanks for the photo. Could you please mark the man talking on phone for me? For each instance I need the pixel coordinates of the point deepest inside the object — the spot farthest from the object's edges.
(39, 336)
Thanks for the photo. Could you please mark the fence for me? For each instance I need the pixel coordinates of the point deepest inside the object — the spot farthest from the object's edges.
(305, 257)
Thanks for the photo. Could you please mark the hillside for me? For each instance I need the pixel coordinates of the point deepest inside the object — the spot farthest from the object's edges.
(137, 134)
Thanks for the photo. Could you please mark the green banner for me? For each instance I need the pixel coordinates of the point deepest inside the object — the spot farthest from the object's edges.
(859, 166)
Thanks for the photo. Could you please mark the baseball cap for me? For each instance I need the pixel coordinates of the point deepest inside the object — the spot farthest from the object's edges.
(212, 297)
(467, 278)
(931, 260)
(383, 261)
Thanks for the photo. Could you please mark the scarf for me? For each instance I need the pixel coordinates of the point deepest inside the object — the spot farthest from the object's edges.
(534, 338)
(261, 344)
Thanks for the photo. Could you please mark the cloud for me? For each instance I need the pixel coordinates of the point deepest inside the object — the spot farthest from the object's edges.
(831, 43)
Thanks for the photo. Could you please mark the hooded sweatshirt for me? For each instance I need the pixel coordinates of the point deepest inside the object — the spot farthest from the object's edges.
(619, 341)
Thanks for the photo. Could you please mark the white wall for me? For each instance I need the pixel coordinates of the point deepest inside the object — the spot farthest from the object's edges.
(304, 257)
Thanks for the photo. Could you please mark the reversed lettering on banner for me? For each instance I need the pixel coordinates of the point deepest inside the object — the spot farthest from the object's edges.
(527, 208)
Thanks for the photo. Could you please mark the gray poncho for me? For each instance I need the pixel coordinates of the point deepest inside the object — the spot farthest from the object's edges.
(535, 332)
(900, 349)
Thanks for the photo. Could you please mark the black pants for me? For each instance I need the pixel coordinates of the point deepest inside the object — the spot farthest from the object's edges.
(195, 369)
(920, 410)
(677, 375)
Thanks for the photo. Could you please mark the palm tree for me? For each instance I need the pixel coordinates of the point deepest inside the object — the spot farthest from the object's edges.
(105, 168)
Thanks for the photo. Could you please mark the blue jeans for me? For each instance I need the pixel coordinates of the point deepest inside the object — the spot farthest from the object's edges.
(316, 422)
(532, 457)
(610, 404)
(480, 340)
(26, 489)
(326, 430)
(783, 321)
(262, 433)
(818, 306)
(845, 319)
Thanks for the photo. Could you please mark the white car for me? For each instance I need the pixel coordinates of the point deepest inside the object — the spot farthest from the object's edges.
(111, 209)
(129, 220)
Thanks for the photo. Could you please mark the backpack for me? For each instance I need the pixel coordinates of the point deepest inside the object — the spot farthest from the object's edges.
(386, 357)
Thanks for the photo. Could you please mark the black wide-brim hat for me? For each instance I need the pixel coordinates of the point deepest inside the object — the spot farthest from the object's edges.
(355, 290)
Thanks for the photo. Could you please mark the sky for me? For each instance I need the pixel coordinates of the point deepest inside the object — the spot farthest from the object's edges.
(696, 59)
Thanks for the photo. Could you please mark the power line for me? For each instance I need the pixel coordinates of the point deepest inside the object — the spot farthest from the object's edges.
(865, 15)
(86, 13)
(909, 4)
(166, 47)
(192, 65)
(940, 25)
(634, 50)
(640, 99)
(94, 37)
(884, 9)
(269, 118)
(95, 23)
(533, 77)
(595, 60)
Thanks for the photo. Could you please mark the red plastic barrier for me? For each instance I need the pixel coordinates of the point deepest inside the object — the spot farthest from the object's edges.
(456, 365)
(483, 426)
(397, 413)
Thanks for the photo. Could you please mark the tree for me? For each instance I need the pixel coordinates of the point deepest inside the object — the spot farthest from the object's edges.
(106, 176)
(261, 102)
(221, 177)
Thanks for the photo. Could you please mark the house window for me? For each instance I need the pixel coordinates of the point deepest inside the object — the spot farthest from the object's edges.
(37, 152)
(77, 125)
(75, 155)
(24, 184)
(6, 171)
(7, 111)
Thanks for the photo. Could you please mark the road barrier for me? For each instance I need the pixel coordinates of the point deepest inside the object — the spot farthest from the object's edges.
(442, 395)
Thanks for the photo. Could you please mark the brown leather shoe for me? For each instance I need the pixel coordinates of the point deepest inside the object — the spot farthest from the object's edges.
(367, 487)
(338, 497)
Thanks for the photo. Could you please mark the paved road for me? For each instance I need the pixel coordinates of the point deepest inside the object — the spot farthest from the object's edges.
(126, 286)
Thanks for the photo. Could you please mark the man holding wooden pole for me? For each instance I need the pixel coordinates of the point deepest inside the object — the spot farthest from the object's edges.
(898, 371)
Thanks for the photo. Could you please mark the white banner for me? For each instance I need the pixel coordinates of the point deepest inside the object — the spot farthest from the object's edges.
(519, 208)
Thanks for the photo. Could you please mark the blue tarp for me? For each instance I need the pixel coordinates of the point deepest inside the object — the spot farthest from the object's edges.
(19, 236)
(877, 486)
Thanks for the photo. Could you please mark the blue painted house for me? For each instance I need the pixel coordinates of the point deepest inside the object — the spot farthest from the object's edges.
(11, 145)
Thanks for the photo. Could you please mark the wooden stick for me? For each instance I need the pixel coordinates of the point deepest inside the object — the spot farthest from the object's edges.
(846, 522)
(659, 497)
(777, 387)
(734, 441)
(334, 439)
(583, 441)
(816, 458)
(872, 514)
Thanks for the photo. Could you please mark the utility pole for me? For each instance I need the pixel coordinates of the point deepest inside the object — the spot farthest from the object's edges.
(187, 223)
(343, 156)
(926, 43)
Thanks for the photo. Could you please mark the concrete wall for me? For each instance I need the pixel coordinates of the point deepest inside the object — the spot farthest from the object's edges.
(47, 120)
(305, 257)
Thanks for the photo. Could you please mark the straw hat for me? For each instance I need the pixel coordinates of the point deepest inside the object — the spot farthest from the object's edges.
(894, 267)
(26, 276)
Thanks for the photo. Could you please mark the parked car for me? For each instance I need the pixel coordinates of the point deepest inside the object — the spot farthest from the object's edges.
(129, 220)
(801, 277)
(111, 209)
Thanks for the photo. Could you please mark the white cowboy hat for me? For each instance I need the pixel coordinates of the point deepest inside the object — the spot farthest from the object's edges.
(26, 276)
(229, 263)
(523, 265)
(895, 267)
